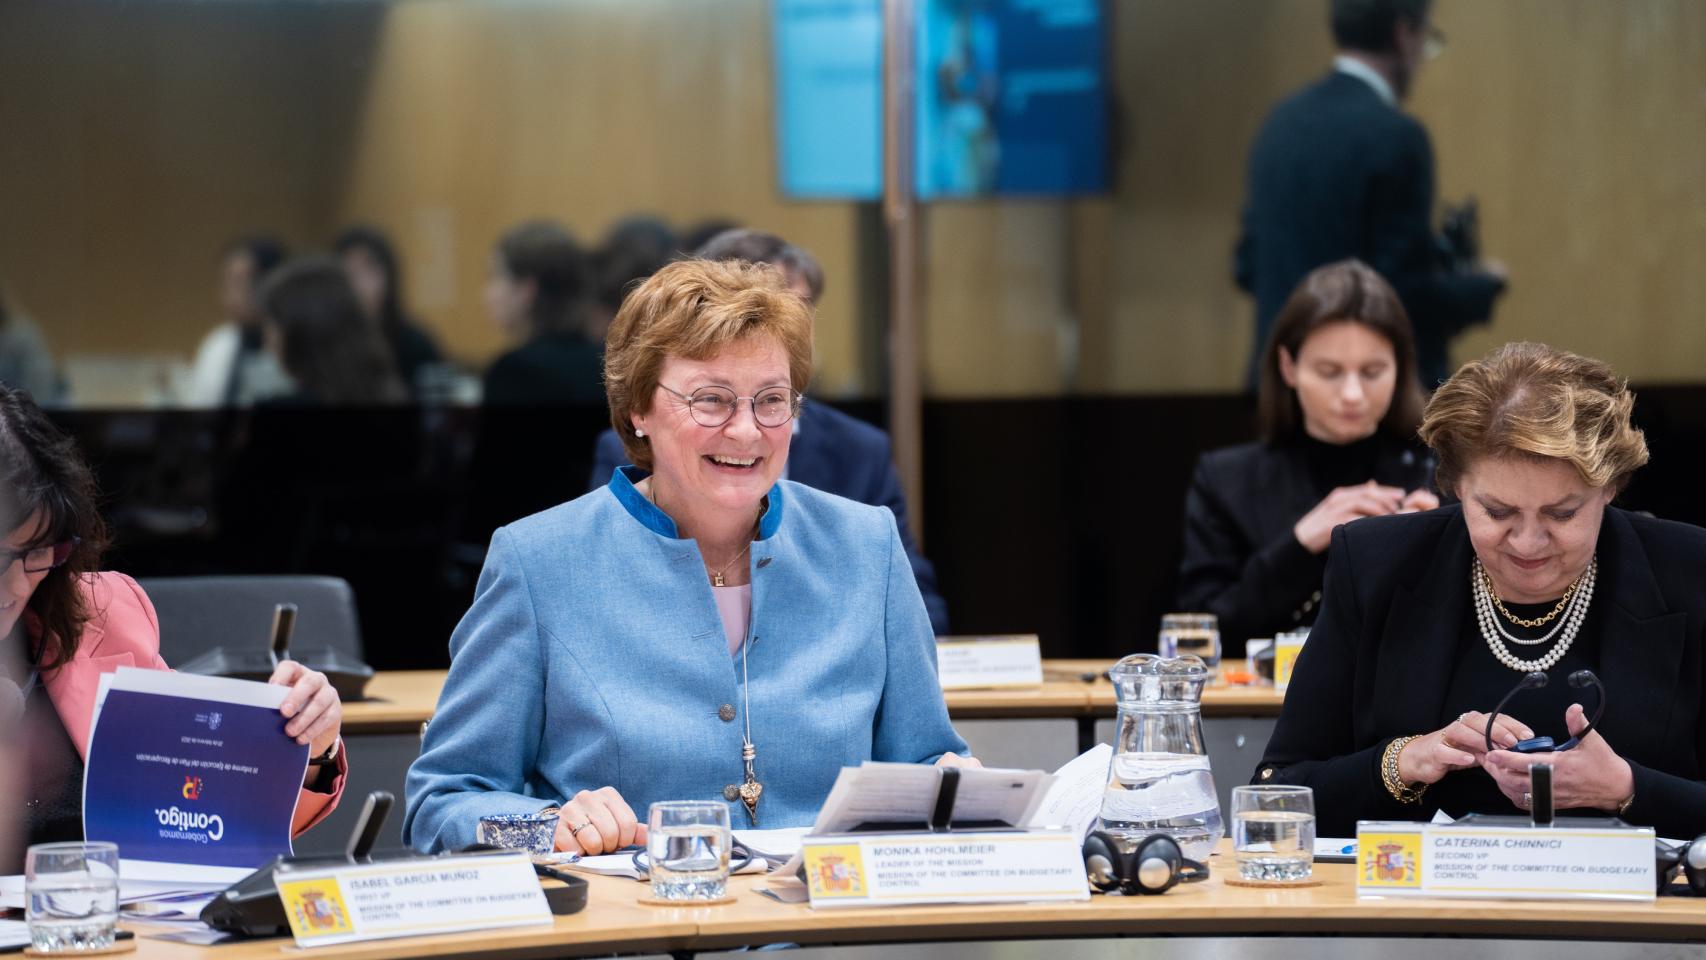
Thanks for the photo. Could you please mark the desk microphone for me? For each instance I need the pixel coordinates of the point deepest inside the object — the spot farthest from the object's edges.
(1534, 681)
(278, 641)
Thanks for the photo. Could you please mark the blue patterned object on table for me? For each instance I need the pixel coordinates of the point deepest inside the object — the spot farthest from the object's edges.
(532, 832)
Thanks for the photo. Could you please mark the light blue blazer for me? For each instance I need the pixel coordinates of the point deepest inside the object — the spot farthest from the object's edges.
(594, 656)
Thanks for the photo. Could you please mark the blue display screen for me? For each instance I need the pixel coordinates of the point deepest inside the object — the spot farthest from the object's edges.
(1011, 97)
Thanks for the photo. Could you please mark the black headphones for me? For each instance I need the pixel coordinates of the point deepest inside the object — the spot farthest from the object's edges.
(1691, 857)
(1154, 865)
(1534, 681)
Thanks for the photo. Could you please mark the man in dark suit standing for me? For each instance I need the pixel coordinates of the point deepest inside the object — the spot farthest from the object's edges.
(830, 451)
(1338, 170)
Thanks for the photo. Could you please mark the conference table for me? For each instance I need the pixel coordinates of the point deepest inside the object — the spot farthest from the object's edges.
(1038, 727)
(614, 922)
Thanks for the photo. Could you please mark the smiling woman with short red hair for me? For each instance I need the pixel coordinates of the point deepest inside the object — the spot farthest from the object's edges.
(697, 629)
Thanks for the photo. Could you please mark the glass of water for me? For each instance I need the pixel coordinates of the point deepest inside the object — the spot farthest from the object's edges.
(1197, 634)
(71, 896)
(687, 849)
(1273, 832)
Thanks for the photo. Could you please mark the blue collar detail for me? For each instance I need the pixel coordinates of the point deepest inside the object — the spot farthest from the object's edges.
(622, 487)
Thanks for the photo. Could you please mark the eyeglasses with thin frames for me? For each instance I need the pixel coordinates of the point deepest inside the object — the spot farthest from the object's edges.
(40, 559)
(715, 406)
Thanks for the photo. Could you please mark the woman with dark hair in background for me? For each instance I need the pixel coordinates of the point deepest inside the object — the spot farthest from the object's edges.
(1338, 407)
(316, 328)
(537, 295)
(371, 262)
(63, 624)
(634, 249)
(232, 366)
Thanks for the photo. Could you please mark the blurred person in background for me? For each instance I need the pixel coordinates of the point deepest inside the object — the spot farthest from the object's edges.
(25, 363)
(1339, 170)
(537, 295)
(232, 366)
(634, 249)
(1339, 406)
(316, 328)
(696, 236)
(377, 276)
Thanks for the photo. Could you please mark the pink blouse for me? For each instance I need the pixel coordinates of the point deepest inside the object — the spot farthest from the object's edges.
(734, 604)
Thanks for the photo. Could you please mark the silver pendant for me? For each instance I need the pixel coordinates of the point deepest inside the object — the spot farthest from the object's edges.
(750, 791)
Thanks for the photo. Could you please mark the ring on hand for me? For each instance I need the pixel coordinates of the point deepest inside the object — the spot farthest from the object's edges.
(575, 831)
(1527, 799)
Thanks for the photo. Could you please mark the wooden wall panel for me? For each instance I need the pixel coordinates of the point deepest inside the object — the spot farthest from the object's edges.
(482, 115)
(140, 135)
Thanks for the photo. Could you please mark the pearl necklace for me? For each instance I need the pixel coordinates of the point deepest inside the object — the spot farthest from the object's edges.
(1492, 630)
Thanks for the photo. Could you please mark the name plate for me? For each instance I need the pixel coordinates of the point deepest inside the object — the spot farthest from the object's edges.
(409, 897)
(1286, 649)
(1519, 863)
(852, 870)
(972, 663)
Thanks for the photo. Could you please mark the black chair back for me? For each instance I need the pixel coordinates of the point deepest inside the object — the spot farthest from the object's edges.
(200, 613)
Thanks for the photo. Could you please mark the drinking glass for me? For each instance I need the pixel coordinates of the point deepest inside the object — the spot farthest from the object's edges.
(71, 896)
(687, 849)
(1197, 634)
(1273, 832)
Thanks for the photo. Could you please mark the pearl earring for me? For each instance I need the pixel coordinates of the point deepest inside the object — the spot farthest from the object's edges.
(638, 432)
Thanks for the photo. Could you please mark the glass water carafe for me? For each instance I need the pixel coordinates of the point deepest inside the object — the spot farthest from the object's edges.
(1159, 780)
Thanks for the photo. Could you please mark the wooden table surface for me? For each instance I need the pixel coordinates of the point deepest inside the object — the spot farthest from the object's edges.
(615, 922)
(399, 701)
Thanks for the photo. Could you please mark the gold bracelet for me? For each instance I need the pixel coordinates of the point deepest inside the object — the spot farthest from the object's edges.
(1400, 791)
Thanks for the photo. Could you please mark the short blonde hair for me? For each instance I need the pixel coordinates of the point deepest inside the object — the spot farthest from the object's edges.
(1531, 400)
(693, 309)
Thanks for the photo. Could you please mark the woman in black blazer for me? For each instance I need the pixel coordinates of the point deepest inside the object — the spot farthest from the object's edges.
(1339, 406)
(1429, 620)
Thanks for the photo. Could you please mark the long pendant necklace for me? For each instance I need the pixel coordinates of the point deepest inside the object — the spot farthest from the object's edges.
(751, 789)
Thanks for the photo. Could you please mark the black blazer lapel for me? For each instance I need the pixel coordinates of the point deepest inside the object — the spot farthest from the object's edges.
(1419, 640)
(1641, 647)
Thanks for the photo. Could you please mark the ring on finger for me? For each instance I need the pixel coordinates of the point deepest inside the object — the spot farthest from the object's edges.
(1527, 799)
(575, 830)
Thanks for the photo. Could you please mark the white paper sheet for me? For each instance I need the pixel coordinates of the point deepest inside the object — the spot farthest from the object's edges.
(906, 793)
(1074, 800)
(622, 865)
(776, 846)
(1335, 847)
(140, 881)
(14, 934)
(195, 686)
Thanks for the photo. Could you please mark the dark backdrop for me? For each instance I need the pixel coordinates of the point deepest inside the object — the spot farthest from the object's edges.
(1059, 517)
